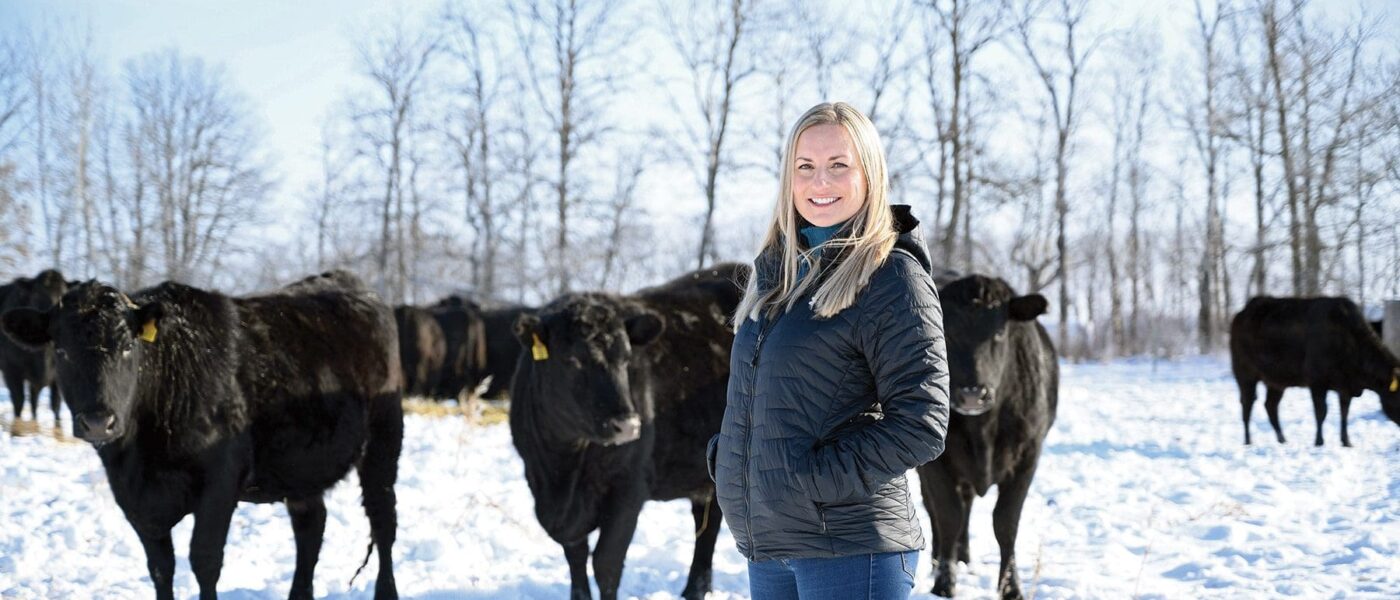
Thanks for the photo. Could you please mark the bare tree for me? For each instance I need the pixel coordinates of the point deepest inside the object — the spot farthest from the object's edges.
(194, 151)
(825, 41)
(1205, 122)
(16, 103)
(1061, 82)
(395, 62)
(969, 27)
(565, 44)
(717, 52)
(471, 131)
(1139, 273)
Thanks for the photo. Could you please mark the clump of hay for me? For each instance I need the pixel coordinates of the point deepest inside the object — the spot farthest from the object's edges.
(476, 412)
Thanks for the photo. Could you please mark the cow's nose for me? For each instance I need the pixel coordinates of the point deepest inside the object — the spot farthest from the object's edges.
(623, 429)
(972, 400)
(97, 426)
(972, 393)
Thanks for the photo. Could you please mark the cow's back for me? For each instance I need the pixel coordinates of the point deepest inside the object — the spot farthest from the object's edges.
(1289, 342)
(318, 360)
(689, 367)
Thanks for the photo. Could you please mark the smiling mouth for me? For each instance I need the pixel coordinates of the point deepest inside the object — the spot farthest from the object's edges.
(824, 201)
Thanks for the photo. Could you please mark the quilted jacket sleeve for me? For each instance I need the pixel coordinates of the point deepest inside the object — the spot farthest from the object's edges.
(901, 332)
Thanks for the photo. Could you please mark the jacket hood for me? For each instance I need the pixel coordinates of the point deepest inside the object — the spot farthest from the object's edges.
(910, 240)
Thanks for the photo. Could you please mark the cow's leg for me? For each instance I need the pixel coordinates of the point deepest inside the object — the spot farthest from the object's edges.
(1319, 398)
(576, 554)
(1272, 397)
(379, 469)
(309, 525)
(1344, 402)
(707, 522)
(15, 385)
(1248, 394)
(1006, 521)
(160, 562)
(211, 521)
(964, 548)
(56, 403)
(619, 522)
(35, 388)
(949, 515)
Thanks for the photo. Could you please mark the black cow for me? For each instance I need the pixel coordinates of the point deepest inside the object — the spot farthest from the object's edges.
(613, 401)
(20, 365)
(1318, 343)
(1005, 381)
(422, 350)
(465, 363)
(502, 348)
(195, 400)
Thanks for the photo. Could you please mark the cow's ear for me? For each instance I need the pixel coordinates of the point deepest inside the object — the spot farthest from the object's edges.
(1027, 308)
(643, 328)
(28, 327)
(146, 320)
(527, 326)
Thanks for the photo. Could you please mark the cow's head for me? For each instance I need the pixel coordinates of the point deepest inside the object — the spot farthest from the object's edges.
(578, 350)
(1390, 396)
(978, 313)
(97, 333)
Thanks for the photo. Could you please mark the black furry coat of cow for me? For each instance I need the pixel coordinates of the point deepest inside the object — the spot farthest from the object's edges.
(613, 401)
(196, 400)
(33, 366)
(1318, 343)
(1005, 391)
(422, 350)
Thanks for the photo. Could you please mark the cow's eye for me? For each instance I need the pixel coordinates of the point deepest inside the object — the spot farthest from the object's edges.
(63, 354)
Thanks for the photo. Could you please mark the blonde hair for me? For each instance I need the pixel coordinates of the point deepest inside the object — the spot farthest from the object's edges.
(864, 244)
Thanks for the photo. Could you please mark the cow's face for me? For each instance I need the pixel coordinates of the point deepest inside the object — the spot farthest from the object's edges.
(978, 313)
(1390, 397)
(579, 356)
(96, 332)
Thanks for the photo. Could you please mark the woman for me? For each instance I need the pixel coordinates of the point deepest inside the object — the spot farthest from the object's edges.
(838, 377)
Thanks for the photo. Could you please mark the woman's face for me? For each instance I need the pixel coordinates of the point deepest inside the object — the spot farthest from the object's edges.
(828, 184)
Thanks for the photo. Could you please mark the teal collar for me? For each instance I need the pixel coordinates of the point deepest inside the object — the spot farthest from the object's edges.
(817, 236)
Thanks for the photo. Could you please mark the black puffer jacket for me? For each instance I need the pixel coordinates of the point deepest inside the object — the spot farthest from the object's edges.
(825, 416)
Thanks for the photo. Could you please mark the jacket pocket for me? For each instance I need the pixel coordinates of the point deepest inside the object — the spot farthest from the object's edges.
(710, 450)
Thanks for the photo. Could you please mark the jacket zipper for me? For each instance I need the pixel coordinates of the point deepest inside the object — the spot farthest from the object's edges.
(763, 329)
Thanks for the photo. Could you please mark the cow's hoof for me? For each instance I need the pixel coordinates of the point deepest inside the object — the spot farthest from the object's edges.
(1010, 589)
(945, 587)
(695, 592)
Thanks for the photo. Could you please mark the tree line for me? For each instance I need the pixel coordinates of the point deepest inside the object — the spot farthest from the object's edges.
(1149, 176)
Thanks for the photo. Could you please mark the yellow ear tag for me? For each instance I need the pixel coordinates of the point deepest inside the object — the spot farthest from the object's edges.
(538, 350)
(1394, 383)
(148, 331)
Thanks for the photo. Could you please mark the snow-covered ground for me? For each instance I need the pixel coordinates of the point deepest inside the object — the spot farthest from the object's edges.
(1145, 490)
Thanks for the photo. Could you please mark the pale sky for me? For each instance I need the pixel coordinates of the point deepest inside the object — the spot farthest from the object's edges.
(294, 61)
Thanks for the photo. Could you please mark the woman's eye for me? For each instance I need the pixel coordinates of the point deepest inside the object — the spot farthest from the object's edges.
(838, 166)
(804, 167)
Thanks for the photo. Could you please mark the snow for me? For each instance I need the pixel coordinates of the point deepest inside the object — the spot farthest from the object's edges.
(1145, 490)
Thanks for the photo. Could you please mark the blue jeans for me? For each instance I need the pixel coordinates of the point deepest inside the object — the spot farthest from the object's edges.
(886, 576)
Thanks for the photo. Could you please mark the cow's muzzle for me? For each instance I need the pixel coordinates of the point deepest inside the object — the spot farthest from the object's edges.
(620, 430)
(97, 427)
(972, 400)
